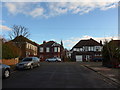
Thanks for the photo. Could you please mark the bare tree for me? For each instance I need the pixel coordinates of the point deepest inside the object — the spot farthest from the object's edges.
(18, 30)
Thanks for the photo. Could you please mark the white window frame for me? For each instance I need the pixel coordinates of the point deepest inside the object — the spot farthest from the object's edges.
(55, 49)
(74, 49)
(47, 49)
(41, 49)
(58, 49)
(81, 49)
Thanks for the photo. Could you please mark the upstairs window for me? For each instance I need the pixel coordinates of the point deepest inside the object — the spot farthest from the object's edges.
(74, 49)
(41, 49)
(58, 49)
(47, 49)
(81, 49)
(92, 49)
(55, 49)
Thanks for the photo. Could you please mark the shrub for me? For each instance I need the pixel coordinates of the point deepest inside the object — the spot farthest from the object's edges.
(9, 50)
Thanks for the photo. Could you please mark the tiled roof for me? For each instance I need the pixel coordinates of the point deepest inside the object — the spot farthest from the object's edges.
(23, 39)
(88, 42)
(117, 42)
(49, 44)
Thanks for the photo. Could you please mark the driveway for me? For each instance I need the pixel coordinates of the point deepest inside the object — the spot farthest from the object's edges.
(57, 75)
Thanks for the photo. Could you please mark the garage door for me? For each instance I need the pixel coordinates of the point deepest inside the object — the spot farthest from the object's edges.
(78, 57)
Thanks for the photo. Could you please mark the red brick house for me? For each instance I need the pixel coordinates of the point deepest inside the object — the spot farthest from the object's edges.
(50, 49)
(86, 50)
(27, 47)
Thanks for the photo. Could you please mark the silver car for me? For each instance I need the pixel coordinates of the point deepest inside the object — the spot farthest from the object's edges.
(28, 63)
(54, 59)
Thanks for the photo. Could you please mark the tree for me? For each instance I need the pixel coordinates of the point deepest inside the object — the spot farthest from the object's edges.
(18, 30)
(111, 52)
(9, 50)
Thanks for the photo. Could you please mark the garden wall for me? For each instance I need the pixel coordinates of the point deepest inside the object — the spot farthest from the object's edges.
(10, 61)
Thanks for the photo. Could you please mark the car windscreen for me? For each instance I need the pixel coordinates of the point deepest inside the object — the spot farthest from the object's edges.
(27, 59)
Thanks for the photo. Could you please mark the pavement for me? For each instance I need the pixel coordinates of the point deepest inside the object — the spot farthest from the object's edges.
(110, 73)
(57, 75)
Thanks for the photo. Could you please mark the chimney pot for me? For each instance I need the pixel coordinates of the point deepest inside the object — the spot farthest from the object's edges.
(44, 42)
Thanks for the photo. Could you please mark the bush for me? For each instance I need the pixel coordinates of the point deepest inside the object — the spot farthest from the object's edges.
(111, 53)
(9, 50)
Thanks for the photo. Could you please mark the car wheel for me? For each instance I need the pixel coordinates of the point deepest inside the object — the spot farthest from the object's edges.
(31, 67)
(38, 65)
(6, 73)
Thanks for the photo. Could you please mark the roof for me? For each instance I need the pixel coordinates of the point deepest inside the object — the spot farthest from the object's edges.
(23, 39)
(117, 42)
(88, 42)
(49, 44)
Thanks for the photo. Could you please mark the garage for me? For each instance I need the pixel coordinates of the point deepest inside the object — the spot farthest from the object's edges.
(78, 58)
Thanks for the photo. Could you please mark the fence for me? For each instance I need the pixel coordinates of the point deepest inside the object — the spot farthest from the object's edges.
(10, 61)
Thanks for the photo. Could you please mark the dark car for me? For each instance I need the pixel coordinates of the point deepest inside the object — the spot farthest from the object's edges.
(5, 70)
(28, 63)
(97, 59)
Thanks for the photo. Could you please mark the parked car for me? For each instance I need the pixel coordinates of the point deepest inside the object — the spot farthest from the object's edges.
(5, 69)
(97, 59)
(54, 59)
(116, 65)
(28, 63)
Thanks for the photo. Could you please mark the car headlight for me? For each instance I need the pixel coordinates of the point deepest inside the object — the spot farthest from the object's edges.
(28, 64)
(25, 64)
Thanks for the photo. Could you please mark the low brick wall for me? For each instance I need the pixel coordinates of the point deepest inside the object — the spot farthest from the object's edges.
(10, 61)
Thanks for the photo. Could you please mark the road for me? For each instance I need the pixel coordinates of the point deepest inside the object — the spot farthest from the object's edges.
(57, 75)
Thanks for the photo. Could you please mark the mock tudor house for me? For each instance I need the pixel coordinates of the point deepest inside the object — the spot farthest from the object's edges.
(50, 49)
(27, 47)
(87, 50)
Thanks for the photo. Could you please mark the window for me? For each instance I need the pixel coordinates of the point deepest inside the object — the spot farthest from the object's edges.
(55, 49)
(92, 49)
(81, 49)
(47, 49)
(58, 49)
(74, 49)
(98, 48)
(27, 45)
(89, 48)
(41, 49)
(86, 48)
(77, 49)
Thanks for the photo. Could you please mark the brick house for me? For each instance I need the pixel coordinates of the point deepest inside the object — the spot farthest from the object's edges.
(86, 50)
(50, 49)
(27, 47)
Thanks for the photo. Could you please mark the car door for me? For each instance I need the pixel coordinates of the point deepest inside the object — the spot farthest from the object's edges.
(35, 61)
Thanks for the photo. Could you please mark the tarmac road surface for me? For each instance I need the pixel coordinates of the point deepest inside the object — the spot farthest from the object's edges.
(57, 75)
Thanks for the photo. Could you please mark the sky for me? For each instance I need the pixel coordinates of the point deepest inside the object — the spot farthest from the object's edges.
(66, 21)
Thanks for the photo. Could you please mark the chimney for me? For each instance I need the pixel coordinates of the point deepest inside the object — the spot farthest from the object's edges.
(100, 42)
(44, 42)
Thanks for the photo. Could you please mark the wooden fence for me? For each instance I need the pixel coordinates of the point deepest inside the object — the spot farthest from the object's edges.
(10, 61)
